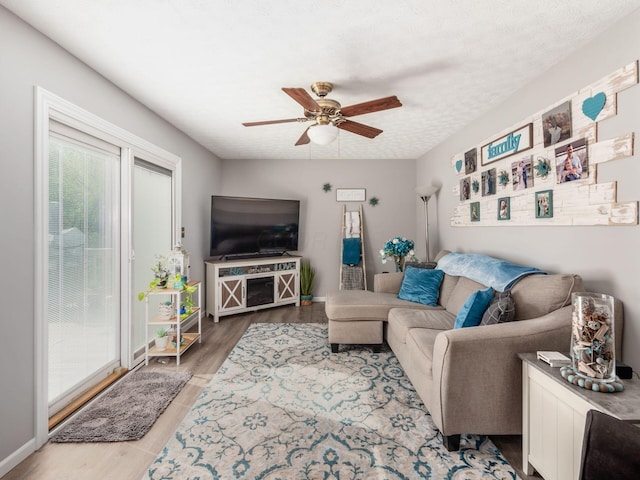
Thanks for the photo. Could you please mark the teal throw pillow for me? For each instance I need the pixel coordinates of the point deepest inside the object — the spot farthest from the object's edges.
(421, 285)
(470, 315)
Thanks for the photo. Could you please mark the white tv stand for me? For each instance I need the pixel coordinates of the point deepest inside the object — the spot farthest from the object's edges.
(249, 284)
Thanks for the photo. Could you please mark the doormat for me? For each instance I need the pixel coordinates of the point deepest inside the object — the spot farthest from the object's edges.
(127, 411)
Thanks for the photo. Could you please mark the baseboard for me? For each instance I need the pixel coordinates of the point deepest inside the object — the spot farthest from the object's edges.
(16, 457)
(318, 299)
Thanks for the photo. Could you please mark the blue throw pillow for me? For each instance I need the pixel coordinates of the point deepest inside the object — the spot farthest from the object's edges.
(470, 315)
(421, 285)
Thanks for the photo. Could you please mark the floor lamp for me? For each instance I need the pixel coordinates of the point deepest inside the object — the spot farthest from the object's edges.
(425, 193)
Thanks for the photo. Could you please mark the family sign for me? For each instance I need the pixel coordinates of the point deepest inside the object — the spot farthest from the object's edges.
(514, 142)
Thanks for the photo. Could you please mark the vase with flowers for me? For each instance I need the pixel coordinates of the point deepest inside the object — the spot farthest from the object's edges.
(398, 249)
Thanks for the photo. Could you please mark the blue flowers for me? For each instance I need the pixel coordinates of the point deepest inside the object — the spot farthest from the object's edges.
(399, 249)
(398, 246)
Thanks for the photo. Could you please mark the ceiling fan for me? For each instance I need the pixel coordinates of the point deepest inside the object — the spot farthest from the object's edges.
(329, 116)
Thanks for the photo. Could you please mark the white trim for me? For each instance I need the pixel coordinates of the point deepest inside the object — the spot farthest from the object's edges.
(16, 457)
(126, 257)
(50, 106)
(41, 187)
(67, 113)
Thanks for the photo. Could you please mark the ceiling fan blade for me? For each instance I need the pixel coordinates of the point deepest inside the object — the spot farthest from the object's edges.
(304, 138)
(301, 96)
(360, 129)
(270, 122)
(371, 106)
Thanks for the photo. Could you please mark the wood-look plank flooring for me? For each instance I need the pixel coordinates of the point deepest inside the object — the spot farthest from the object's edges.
(130, 460)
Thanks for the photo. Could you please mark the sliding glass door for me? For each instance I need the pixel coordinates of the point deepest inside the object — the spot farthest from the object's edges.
(83, 280)
(106, 202)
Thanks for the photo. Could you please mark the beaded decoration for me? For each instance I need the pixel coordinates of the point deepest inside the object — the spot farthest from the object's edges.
(594, 384)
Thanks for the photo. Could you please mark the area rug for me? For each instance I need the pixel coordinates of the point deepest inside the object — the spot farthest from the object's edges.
(127, 411)
(282, 406)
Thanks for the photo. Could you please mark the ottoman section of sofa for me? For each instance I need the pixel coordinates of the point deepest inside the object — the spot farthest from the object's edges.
(357, 316)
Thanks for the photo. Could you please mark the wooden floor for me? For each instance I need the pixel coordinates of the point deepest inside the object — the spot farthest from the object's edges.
(130, 460)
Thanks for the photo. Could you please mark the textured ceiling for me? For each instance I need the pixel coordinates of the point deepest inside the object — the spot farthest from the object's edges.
(206, 66)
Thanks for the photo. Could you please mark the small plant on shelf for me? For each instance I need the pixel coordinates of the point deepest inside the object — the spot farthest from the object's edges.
(307, 276)
(166, 310)
(161, 339)
(160, 276)
(160, 272)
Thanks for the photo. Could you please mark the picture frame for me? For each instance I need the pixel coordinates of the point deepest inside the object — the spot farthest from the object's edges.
(470, 161)
(474, 212)
(504, 208)
(572, 161)
(522, 173)
(489, 180)
(351, 194)
(556, 124)
(544, 204)
(465, 189)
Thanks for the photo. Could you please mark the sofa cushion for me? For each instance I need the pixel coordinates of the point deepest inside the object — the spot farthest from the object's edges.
(421, 285)
(470, 315)
(537, 295)
(420, 341)
(449, 283)
(501, 309)
(464, 287)
(401, 320)
(387, 282)
(347, 305)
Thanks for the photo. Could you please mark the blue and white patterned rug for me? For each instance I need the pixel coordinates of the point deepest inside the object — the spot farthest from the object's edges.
(282, 406)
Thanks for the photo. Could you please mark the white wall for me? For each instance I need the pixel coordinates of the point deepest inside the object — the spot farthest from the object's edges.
(27, 59)
(606, 257)
(392, 182)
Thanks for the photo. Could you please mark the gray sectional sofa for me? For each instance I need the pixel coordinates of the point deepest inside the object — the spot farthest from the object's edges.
(468, 378)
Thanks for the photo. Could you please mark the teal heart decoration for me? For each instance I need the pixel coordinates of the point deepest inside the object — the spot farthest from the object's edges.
(459, 165)
(592, 106)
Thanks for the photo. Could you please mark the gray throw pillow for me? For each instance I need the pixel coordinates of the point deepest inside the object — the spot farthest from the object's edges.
(501, 309)
(427, 265)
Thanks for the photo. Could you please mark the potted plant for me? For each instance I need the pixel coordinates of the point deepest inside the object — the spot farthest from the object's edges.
(307, 276)
(161, 339)
(160, 272)
(160, 276)
(166, 310)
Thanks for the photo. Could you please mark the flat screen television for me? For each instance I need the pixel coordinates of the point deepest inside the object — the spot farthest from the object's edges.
(246, 227)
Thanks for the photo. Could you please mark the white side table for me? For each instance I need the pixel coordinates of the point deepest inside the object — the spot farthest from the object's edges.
(553, 417)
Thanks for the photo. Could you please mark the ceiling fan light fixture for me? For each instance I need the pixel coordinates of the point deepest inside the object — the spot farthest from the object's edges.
(322, 134)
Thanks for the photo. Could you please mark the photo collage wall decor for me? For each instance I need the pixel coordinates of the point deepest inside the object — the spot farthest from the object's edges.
(542, 171)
